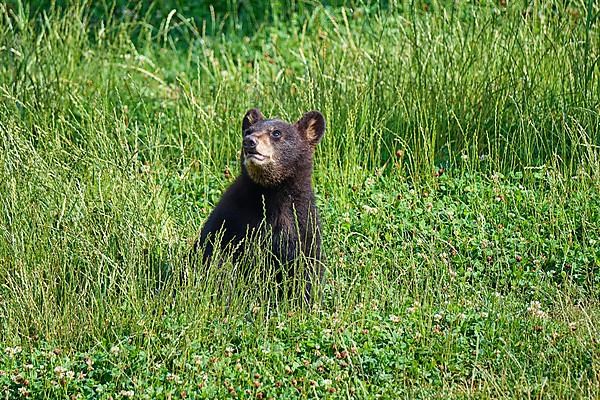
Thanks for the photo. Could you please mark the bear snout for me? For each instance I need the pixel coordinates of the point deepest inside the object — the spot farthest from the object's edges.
(249, 143)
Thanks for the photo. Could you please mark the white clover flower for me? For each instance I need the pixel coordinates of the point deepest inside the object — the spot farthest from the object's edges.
(127, 393)
(60, 371)
(12, 351)
(535, 309)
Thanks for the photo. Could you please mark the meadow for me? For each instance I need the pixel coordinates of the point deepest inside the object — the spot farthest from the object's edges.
(457, 183)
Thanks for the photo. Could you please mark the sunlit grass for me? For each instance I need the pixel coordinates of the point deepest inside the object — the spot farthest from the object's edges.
(457, 183)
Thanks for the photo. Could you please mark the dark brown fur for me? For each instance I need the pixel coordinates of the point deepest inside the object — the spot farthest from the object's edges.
(274, 191)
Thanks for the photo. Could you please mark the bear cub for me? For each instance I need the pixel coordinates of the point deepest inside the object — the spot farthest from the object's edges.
(272, 194)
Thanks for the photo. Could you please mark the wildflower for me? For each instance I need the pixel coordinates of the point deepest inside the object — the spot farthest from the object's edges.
(411, 309)
(115, 350)
(60, 371)
(535, 309)
(573, 326)
(394, 318)
(24, 392)
(127, 393)
(370, 210)
(18, 379)
(12, 351)
(335, 319)
(70, 374)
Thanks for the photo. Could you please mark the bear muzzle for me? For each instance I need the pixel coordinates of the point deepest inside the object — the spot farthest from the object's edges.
(253, 157)
(257, 148)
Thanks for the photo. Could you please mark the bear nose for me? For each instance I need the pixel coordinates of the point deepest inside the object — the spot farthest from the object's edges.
(249, 143)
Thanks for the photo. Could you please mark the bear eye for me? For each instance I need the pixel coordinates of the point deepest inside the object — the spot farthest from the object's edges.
(276, 134)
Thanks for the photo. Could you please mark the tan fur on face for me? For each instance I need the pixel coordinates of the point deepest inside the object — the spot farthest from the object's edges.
(265, 172)
(264, 145)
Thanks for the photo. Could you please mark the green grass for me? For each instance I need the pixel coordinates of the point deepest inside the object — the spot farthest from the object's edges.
(457, 183)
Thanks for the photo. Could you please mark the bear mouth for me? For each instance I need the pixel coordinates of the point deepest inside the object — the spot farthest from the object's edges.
(254, 156)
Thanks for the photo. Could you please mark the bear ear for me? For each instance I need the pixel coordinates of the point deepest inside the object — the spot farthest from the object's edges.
(252, 116)
(312, 126)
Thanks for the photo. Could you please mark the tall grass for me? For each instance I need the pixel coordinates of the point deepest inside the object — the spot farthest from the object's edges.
(121, 126)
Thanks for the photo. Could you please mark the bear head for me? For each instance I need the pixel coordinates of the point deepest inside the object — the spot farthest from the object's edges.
(274, 151)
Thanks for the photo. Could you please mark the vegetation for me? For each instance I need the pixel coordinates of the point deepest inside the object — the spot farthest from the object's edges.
(457, 182)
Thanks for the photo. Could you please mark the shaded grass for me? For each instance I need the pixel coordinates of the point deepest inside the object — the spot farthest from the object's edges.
(457, 183)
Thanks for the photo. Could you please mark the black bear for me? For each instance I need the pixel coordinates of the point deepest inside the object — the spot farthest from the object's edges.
(272, 194)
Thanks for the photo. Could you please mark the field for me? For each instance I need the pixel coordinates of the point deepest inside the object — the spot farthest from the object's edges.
(458, 184)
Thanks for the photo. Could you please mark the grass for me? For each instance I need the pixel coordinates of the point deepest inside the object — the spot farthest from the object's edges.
(457, 183)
